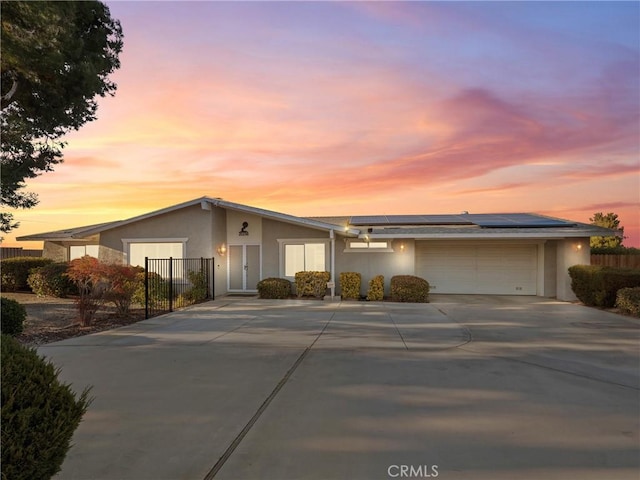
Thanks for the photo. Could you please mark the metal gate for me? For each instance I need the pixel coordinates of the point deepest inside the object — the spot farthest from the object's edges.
(171, 283)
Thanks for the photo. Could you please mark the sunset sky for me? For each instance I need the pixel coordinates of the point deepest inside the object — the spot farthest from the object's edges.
(332, 108)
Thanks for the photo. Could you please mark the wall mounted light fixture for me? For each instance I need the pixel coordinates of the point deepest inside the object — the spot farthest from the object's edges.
(402, 248)
(222, 250)
(577, 247)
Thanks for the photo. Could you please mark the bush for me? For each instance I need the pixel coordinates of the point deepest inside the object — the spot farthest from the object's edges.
(274, 288)
(15, 271)
(596, 286)
(39, 414)
(312, 283)
(376, 289)
(350, 285)
(87, 273)
(158, 290)
(51, 281)
(198, 291)
(408, 288)
(122, 282)
(628, 301)
(619, 250)
(12, 317)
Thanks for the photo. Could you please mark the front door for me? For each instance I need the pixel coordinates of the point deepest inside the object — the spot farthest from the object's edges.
(244, 268)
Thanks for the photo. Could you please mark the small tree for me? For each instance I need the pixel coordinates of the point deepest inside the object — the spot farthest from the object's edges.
(610, 220)
(88, 273)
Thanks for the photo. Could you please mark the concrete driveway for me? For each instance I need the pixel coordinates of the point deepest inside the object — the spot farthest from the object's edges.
(461, 388)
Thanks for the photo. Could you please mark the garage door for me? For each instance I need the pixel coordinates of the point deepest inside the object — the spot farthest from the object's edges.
(479, 269)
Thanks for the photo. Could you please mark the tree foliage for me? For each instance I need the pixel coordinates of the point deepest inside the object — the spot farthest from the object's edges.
(610, 220)
(56, 60)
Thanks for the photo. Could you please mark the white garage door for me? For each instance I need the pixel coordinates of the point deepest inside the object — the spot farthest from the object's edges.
(479, 269)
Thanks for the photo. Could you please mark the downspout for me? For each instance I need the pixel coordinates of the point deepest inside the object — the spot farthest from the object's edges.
(333, 263)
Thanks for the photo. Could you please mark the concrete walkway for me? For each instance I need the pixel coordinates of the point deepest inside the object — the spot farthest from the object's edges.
(465, 387)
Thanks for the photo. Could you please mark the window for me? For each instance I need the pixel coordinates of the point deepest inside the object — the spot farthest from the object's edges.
(303, 256)
(373, 246)
(79, 251)
(137, 251)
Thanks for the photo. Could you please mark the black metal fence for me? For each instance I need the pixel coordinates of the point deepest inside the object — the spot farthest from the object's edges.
(172, 283)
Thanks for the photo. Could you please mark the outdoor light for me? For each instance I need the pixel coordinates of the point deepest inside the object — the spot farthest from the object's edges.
(402, 248)
(578, 247)
(222, 249)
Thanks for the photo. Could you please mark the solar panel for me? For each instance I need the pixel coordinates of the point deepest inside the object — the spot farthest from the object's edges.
(369, 220)
(515, 220)
(485, 220)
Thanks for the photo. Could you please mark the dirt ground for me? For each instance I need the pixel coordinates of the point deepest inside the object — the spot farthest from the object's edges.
(51, 319)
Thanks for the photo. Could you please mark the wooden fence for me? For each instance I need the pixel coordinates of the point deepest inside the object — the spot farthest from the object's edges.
(626, 261)
(12, 252)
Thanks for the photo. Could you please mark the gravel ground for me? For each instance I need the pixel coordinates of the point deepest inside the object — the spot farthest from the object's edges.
(51, 319)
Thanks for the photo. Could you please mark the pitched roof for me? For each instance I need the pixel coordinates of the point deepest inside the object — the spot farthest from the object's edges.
(205, 202)
(509, 225)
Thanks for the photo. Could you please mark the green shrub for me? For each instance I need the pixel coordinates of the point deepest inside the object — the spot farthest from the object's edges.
(158, 290)
(274, 288)
(15, 271)
(619, 250)
(596, 286)
(51, 281)
(376, 289)
(408, 288)
(198, 291)
(628, 301)
(12, 317)
(350, 285)
(312, 283)
(39, 414)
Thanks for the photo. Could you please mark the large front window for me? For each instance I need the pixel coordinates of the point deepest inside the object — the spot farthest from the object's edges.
(303, 257)
(138, 251)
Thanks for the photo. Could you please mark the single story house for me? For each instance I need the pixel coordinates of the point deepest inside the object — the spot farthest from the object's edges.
(506, 254)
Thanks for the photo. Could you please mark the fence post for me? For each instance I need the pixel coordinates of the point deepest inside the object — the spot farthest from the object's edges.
(146, 287)
(212, 272)
(171, 284)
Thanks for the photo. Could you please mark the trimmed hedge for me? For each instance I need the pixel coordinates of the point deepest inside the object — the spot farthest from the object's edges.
(619, 250)
(409, 288)
(274, 288)
(597, 286)
(12, 317)
(15, 271)
(376, 289)
(312, 283)
(628, 301)
(51, 281)
(39, 414)
(350, 285)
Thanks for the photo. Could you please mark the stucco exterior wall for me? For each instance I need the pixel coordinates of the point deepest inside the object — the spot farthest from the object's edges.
(56, 251)
(219, 237)
(192, 223)
(370, 264)
(550, 268)
(573, 251)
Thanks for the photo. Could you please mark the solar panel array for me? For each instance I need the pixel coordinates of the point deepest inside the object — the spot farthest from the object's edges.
(486, 220)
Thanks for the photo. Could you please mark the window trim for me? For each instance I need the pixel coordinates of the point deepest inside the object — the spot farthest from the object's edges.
(349, 249)
(126, 245)
(282, 242)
